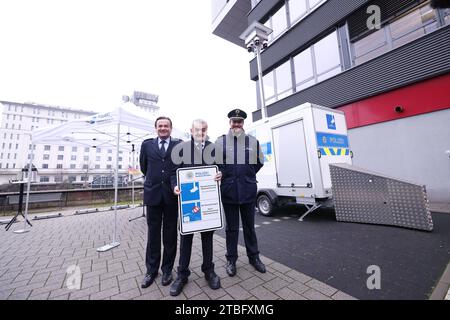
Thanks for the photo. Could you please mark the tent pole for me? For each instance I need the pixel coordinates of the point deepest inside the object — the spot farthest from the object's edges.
(132, 179)
(30, 164)
(114, 243)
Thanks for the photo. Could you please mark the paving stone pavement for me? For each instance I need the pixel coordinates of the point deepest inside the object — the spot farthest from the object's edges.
(58, 260)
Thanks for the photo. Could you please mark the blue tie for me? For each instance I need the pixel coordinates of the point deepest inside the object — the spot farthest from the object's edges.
(162, 149)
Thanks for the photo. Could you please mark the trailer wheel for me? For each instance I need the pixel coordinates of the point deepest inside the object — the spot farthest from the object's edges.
(264, 205)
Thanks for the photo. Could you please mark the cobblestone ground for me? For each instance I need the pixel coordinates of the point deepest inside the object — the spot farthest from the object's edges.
(58, 260)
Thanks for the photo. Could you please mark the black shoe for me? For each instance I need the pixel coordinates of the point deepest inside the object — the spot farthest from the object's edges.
(177, 286)
(166, 278)
(213, 280)
(259, 266)
(148, 280)
(231, 268)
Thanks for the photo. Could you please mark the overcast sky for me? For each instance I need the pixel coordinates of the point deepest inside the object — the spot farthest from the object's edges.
(86, 54)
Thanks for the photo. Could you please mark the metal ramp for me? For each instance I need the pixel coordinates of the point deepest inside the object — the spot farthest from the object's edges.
(367, 197)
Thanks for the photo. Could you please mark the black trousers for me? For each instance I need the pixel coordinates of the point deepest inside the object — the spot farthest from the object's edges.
(247, 212)
(165, 216)
(185, 254)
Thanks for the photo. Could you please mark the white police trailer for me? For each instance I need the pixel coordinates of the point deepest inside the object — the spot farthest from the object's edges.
(299, 145)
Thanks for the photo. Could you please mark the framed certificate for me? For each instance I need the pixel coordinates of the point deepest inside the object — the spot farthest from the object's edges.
(199, 205)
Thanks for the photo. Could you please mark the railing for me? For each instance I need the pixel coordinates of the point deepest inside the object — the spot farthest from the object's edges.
(58, 199)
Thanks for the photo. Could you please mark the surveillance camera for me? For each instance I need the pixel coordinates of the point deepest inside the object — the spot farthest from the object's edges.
(250, 48)
(265, 44)
(257, 42)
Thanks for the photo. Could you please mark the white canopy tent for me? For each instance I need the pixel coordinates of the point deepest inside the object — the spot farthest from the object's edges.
(121, 129)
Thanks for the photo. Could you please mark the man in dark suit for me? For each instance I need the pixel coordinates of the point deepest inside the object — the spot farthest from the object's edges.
(162, 204)
(240, 158)
(195, 153)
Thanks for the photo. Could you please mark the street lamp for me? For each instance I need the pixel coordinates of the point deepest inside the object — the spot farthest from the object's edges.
(256, 39)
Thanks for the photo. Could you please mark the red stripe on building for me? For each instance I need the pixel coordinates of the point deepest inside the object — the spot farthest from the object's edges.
(427, 96)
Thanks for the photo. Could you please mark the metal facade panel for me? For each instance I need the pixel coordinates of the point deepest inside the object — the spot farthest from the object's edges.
(366, 197)
(422, 59)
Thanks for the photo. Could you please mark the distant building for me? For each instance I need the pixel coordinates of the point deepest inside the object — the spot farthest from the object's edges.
(56, 164)
(144, 100)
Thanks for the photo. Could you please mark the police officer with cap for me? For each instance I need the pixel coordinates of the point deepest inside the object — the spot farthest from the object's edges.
(239, 158)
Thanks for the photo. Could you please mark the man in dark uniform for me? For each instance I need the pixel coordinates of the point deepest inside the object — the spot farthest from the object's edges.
(195, 153)
(239, 157)
(162, 204)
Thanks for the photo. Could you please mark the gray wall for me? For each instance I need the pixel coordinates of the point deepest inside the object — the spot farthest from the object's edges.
(411, 148)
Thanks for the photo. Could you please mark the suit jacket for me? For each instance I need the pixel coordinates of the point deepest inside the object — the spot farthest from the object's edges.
(239, 159)
(157, 170)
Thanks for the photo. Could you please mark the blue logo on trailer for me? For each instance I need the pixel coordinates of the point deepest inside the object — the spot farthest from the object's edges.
(331, 122)
(266, 149)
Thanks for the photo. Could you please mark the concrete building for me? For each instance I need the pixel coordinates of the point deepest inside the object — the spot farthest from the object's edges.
(57, 164)
(385, 63)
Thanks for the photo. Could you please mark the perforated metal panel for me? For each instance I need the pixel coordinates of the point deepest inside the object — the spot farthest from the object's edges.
(367, 197)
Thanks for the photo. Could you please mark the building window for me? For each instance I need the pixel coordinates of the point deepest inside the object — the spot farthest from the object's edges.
(327, 57)
(15, 156)
(86, 149)
(60, 157)
(47, 148)
(7, 166)
(73, 158)
(99, 150)
(17, 146)
(97, 158)
(404, 29)
(46, 157)
(45, 166)
(44, 179)
(86, 158)
(84, 178)
(97, 166)
(446, 15)
(18, 135)
(120, 166)
(108, 166)
(277, 22)
(59, 166)
(109, 158)
(413, 25)
(58, 178)
(298, 9)
(72, 166)
(109, 151)
(74, 149)
(120, 158)
(72, 179)
(85, 166)
(61, 148)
